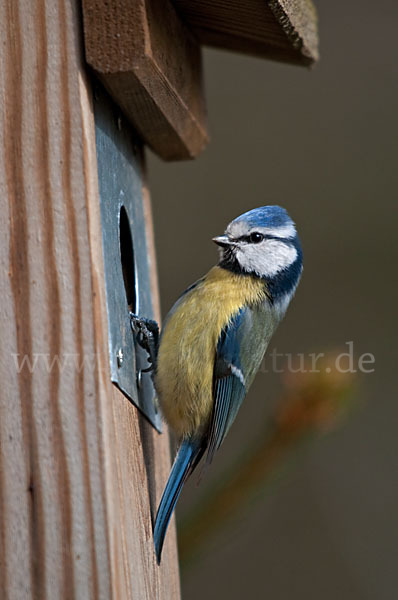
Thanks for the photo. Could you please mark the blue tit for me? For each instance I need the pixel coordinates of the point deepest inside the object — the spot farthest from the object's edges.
(215, 336)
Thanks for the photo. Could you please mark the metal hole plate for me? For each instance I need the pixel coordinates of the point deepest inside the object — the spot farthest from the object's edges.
(119, 159)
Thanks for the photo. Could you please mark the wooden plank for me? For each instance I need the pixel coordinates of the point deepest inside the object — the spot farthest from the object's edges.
(138, 458)
(284, 30)
(150, 63)
(80, 471)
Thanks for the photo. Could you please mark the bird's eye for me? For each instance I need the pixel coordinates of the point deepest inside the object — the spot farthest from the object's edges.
(255, 237)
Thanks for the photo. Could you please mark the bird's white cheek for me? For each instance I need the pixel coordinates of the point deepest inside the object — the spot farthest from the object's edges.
(266, 259)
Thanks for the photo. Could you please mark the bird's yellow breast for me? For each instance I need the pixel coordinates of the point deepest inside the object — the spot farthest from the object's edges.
(184, 376)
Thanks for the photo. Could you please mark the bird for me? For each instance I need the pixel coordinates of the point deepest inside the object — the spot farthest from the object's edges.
(214, 339)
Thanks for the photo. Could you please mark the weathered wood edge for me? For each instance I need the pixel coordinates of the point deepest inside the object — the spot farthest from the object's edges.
(299, 21)
(281, 30)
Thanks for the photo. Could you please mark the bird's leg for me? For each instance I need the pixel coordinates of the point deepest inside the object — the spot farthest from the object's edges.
(147, 335)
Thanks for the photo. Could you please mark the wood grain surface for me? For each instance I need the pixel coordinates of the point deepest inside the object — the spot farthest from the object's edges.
(80, 470)
(283, 30)
(150, 63)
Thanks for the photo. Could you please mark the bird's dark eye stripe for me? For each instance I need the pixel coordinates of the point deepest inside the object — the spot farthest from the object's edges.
(249, 240)
(253, 238)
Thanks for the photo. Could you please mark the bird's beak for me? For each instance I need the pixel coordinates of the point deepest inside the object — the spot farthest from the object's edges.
(223, 241)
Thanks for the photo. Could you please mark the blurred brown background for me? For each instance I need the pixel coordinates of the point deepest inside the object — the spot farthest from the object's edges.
(322, 143)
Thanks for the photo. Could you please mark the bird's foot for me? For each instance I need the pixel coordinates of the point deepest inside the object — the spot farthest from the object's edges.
(147, 336)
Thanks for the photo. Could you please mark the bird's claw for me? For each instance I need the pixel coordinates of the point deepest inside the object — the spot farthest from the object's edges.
(146, 332)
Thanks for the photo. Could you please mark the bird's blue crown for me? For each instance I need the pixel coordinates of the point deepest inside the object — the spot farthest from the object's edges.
(265, 216)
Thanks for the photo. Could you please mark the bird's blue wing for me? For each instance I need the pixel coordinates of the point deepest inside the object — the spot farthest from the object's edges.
(229, 387)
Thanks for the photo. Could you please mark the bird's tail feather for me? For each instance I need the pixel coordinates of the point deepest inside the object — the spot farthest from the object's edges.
(189, 454)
